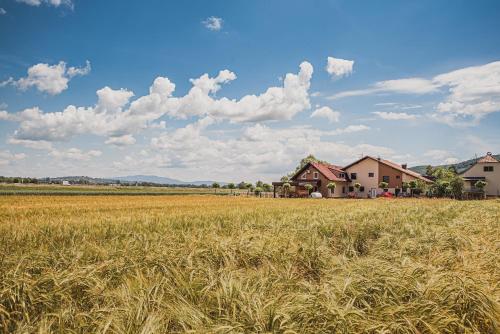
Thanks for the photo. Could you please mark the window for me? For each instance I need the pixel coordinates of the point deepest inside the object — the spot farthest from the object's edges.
(351, 189)
(343, 190)
(304, 176)
(342, 175)
(354, 176)
(361, 189)
(385, 178)
(397, 176)
(371, 174)
(315, 175)
(488, 168)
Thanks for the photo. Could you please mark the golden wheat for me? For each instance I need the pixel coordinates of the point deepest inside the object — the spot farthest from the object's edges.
(207, 264)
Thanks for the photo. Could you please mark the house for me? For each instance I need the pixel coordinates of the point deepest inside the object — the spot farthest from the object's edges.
(368, 171)
(486, 169)
(66, 183)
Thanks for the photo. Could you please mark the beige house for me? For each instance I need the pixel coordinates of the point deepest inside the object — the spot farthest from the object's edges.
(367, 171)
(486, 169)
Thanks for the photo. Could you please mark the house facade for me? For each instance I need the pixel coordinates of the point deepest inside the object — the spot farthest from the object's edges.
(486, 169)
(367, 171)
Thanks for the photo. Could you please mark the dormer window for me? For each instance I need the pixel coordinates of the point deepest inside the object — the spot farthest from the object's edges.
(315, 175)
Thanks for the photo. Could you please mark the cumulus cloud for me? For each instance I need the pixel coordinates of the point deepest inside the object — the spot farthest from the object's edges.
(7, 157)
(55, 3)
(394, 116)
(326, 112)
(440, 157)
(213, 23)
(258, 148)
(338, 67)
(75, 154)
(51, 79)
(471, 93)
(115, 116)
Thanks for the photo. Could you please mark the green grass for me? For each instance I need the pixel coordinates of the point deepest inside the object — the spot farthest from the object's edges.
(207, 264)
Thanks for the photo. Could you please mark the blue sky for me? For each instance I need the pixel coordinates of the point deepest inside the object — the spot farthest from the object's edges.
(87, 87)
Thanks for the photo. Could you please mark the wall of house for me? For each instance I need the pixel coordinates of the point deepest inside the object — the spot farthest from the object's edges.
(492, 179)
(362, 169)
(395, 177)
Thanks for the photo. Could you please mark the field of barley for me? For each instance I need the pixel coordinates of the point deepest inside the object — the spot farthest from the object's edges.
(211, 264)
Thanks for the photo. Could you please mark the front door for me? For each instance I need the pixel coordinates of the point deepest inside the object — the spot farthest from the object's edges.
(373, 192)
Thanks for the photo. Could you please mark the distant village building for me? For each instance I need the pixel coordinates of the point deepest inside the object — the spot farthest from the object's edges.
(66, 183)
(486, 169)
(368, 171)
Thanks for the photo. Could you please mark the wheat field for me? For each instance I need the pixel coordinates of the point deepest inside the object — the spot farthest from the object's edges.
(211, 264)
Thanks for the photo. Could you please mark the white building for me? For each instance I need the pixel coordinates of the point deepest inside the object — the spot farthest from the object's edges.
(486, 169)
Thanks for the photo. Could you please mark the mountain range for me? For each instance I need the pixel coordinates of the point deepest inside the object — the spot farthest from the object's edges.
(459, 166)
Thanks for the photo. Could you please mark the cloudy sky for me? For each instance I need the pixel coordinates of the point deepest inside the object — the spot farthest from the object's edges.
(241, 90)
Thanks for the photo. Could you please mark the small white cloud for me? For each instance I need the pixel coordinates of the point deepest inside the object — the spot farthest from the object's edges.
(124, 140)
(3, 11)
(55, 3)
(328, 113)
(75, 154)
(51, 79)
(213, 23)
(350, 129)
(337, 67)
(7, 157)
(393, 116)
(34, 144)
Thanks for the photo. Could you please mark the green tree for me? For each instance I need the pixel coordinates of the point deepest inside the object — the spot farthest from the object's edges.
(383, 185)
(259, 184)
(242, 185)
(231, 186)
(405, 186)
(309, 188)
(216, 186)
(249, 187)
(284, 179)
(413, 186)
(357, 185)
(258, 191)
(480, 185)
(267, 187)
(331, 186)
(456, 187)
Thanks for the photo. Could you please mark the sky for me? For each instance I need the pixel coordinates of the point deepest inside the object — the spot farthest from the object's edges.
(242, 90)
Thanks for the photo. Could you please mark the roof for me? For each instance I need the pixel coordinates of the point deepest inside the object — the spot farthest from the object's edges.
(326, 170)
(392, 165)
(487, 158)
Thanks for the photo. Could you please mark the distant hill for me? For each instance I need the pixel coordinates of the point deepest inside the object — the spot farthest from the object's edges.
(460, 166)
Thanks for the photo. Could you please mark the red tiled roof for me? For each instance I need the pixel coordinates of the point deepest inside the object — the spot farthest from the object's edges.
(487, 159)
(328, 171)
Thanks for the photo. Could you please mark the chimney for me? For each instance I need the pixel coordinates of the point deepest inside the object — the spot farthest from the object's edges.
(404, 166)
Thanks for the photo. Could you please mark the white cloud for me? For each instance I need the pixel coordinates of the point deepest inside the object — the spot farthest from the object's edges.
(328, 113)
(124, 140)
(400, 86)
(350, 129)
(472, 93)
(51, 79)
(3, 11)
(395, 115)
(114, 116)
(450, 161)
(7, 157)
(55, 3)
(213, 23)
(75, 154)
(338, 67)
(259, 149)
(34, 144)
(440, 157)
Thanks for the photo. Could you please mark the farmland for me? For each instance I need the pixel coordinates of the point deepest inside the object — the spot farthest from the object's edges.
(220, 264)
